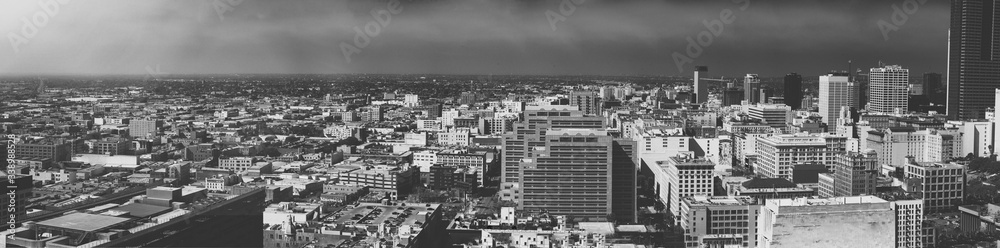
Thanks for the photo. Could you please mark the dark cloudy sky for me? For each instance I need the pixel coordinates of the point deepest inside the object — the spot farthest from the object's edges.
(771, 37)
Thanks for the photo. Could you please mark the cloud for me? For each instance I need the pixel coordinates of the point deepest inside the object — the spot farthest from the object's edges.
(465, 37)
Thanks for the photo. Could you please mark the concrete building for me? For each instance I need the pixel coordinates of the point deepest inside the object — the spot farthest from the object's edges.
(942, 186)
(144, 128)
(676, 177)
(778, 153)
(857, 221)
(856, 173)
(587, 101)
(547, 167)
(888, 90)
(722, 221)
(773, 115)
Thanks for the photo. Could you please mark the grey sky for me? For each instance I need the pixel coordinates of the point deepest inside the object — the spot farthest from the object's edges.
(771, 37)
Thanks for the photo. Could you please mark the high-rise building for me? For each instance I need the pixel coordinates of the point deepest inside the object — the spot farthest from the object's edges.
(751, 88)
(144, 128)
(835, 91)
(688, 176)
(856, 173)
(777, 154)
(587, 101)
(888, 89)
(561, 161)
(623, 180)
(973, 57)
(700, 87)
(732, 96)
(934, 89)
(860, 80)
(942, 185)
(793, 90)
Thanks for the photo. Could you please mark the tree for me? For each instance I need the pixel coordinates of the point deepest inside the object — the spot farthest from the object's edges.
(270, 152)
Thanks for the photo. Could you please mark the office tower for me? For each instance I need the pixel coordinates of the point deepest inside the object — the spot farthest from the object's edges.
(835, 91)
(587, 101)
(468, 98)
(941, 185)
(856, 221)
(687, 176)
(934, 89)
(751, 88)
(721, 221)
(777, 154)
(144, 128)
(856, 173)
(973, 57)
(793, 90)
(700, 86)
(546, 167)
(623, 180)
(888, 89)
(860, 81)
(774, 115)
(732, 96)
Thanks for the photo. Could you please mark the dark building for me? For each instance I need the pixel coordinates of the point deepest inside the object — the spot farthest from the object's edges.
(973, 57)
(807, 173)
(934, 89)
(793, 90)
(861, 81)
(732, 97)
(623, 179)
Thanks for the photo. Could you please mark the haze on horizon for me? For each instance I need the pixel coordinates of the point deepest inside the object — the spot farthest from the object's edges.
(628, 37)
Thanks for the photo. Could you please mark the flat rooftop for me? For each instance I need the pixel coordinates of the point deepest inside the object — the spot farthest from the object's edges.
(83, 222)
(827, 201)
(719, 200)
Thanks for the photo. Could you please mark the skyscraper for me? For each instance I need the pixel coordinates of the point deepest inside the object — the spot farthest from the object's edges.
(888, 89)
(793, 90)
(933, 88)
(700, 89)
(973, 57)
(834, 92)
(751, 88)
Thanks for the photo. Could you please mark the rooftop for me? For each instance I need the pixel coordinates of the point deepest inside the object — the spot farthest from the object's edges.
(83, 222)
(719, 200)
